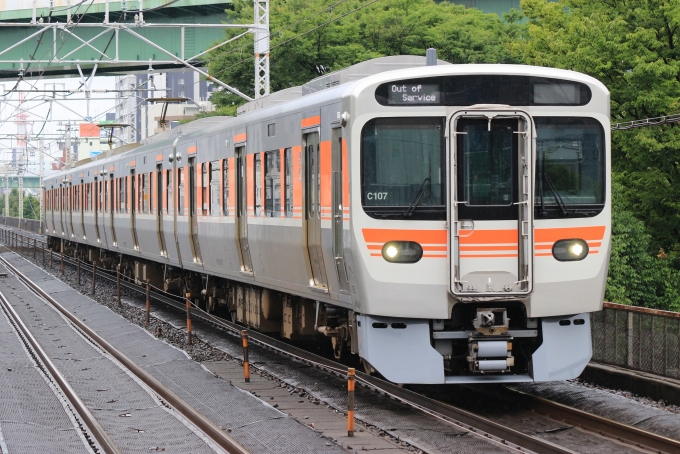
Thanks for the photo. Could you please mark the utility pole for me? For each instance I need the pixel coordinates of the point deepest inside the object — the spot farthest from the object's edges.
(41, 160)
(7, 170)
(20, 176)
(261, 48)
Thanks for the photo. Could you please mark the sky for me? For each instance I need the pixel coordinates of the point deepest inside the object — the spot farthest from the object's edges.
(50, 123)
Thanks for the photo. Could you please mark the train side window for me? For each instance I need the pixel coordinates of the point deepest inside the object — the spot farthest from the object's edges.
(144, 194)
(258, 184)
(89, 196)
(288, 180)
(214, 188)
(272, 184)
(225, 187)
(122, 184)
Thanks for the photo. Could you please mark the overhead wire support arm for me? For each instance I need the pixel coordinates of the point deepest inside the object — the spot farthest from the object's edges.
(188, 65)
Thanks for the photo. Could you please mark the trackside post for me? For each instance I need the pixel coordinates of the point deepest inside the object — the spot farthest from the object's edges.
(350, 401)
(246, 364)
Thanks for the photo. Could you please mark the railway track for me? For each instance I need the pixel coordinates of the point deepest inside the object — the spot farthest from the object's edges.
(484, 427)
(93, 432)
(207, 427)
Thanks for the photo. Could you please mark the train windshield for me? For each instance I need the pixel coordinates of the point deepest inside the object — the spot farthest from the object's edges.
(403, 168)
(570, 167)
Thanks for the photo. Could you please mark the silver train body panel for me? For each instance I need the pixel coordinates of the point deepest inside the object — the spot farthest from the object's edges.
(413, 297)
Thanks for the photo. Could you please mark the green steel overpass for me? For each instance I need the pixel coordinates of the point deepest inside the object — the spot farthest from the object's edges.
(56, 41)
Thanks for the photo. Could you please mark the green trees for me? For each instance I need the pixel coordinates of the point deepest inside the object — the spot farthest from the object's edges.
(31, 205)
(309, 38)
(632, 47)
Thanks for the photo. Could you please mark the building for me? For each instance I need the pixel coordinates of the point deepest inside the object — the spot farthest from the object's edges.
(90, 141)
(144, 117)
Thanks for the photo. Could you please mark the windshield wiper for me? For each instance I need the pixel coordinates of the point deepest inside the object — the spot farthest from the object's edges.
(416, 200)
(564, 211)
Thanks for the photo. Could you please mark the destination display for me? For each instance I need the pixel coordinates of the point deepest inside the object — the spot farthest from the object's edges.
(470, 89)
(405, 93)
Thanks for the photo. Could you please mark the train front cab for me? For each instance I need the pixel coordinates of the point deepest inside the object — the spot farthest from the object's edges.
(497, 250)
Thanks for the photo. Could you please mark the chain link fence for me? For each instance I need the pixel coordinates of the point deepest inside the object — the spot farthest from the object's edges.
(637, 338)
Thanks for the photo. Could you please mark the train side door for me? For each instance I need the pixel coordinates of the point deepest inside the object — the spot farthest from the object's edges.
(312, 217)
(70, 209)
(491, 203)
(62, 201)
(159, 209)
(193, 211)
(112, 207)
(133, 208)
(95, 207)
(337, 212)
(242, 210)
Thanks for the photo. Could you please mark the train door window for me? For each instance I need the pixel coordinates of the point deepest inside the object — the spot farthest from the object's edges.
(288, 180)
(215, 188)
(89, 197)
(205, 188)
(123, 191)
(272, 184)
(192, 187)
(133, 193)
(121, 195)
(258, 185)
(168, 188)
(100, 196)
(144, 193)
(180, 192)
(151, 193)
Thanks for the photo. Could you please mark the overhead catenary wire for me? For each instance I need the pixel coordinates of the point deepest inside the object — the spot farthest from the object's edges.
(656, 121)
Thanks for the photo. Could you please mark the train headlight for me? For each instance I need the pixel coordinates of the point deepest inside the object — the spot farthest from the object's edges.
(570, 250)
(402, 252)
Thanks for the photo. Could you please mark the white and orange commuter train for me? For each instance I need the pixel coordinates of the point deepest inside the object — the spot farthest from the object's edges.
(445, 223)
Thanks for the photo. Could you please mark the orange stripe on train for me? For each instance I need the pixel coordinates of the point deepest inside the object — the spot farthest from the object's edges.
(484, 238)
(310, 121)
(584, 233)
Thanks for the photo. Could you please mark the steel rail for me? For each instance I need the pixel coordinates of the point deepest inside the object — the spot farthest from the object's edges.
(587, 421)
(474, 423)
(84, 414)
(598, 424)
(204, 424)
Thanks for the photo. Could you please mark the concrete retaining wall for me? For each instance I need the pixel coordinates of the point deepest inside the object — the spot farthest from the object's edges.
(30, 225)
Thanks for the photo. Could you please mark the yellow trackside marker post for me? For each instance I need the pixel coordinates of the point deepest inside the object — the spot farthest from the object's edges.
(118, 283)
(350, 401)
(148, 301)
(94, 277)
(246, 365)
(189, 340)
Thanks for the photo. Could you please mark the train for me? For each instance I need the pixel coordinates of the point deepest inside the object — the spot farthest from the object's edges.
(438, 223)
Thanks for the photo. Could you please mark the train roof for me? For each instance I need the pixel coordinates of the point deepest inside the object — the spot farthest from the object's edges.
(327, 88)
